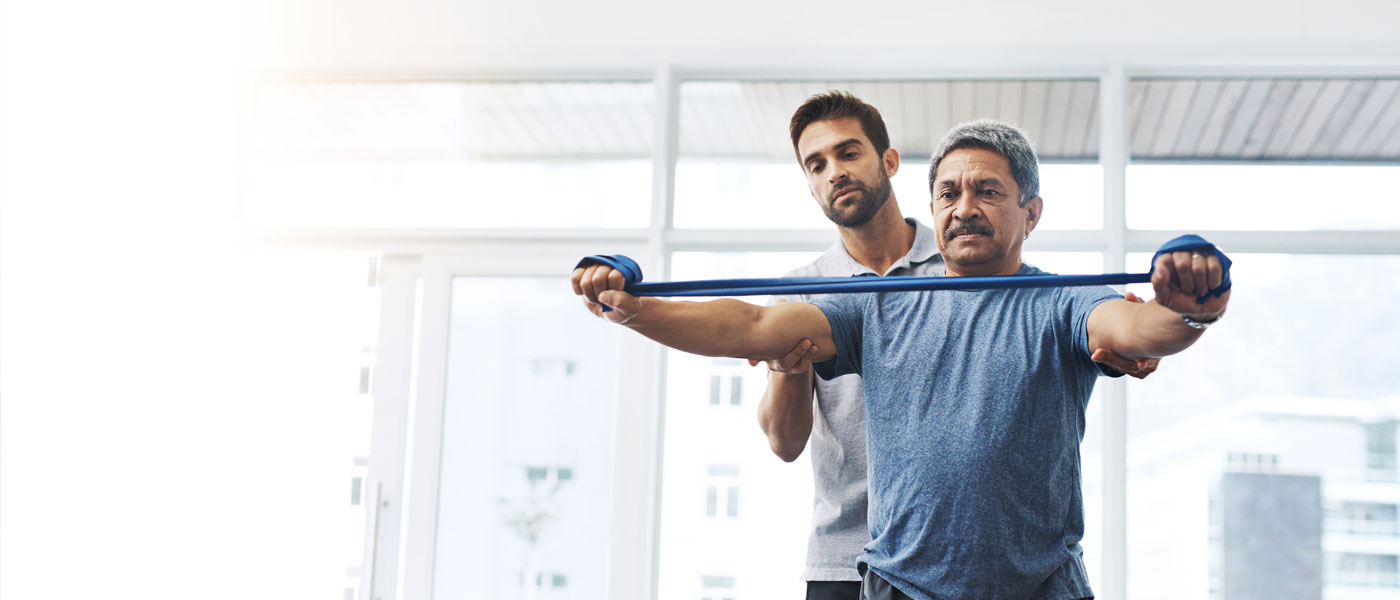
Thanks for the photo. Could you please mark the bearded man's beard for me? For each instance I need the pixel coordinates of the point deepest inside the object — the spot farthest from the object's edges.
(871, 201)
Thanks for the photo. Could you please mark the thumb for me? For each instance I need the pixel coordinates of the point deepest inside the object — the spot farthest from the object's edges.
(624, 305)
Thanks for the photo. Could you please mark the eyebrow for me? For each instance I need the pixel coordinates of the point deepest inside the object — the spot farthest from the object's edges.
(984, 182)
(809, 157)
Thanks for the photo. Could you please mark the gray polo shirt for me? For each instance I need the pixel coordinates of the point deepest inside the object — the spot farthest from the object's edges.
(839, 530)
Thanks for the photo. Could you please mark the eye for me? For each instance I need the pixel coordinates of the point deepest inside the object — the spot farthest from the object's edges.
(990, 193)
(849, 155)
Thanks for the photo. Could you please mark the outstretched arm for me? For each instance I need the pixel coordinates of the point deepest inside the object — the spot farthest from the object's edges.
(716, 328)
(1156, 328)
(1139, 368)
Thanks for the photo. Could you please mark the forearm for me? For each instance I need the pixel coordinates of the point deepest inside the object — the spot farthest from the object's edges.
(1155, 331)
(785, 413)
(716, 328)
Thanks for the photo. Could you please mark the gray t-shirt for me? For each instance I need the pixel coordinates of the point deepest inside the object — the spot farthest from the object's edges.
(974, 406)
(839, 530)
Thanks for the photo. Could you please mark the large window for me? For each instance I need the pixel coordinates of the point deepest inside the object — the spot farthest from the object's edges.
(601, 471)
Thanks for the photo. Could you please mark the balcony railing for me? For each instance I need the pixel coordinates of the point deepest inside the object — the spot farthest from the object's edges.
(1380, 579)
(1362, 527)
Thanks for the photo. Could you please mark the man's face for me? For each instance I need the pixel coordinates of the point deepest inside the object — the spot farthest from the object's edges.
(849, 180)
(977, 214)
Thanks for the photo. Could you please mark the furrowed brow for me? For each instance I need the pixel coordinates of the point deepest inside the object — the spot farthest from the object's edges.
(990, 182)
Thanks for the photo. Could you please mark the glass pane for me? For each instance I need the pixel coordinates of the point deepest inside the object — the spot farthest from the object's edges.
(1262, 197)
(1073, 195)
(736, 156)
(451, 154)
(526, 484)
(1262, 458)
(1065, 263)
(731, 511)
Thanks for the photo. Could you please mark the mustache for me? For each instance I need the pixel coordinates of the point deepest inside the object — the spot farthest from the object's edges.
(962, 228)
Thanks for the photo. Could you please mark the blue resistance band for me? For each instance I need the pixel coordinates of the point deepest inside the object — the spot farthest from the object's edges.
(632, 274)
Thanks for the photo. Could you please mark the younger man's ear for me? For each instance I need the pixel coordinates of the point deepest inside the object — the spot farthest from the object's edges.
(890, 160)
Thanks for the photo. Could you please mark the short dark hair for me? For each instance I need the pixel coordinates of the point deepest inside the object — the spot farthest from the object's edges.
(836, 104)
(1000, 138)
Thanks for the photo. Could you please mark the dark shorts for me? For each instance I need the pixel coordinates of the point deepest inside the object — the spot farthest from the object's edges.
(833, 590)
(875, 587)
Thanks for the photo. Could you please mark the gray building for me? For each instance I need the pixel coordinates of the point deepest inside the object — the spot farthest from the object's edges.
(1270, 497)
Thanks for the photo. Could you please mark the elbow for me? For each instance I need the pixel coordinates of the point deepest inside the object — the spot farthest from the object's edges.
(784, 447)
(786, 451)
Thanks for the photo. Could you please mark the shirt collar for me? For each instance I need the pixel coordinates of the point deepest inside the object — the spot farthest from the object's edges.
(837, 260)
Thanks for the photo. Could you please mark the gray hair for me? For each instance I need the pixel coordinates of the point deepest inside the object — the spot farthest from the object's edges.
(998, 137)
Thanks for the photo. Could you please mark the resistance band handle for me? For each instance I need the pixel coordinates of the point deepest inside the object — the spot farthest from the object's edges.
(1195, 242)
(631, 271)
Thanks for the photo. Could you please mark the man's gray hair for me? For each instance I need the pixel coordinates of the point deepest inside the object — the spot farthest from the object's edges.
(998, 137)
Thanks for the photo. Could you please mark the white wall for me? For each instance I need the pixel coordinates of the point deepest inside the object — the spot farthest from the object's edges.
(451, 36)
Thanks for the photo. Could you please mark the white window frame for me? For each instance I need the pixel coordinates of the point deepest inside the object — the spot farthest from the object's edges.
(636, 457)
(443, 254)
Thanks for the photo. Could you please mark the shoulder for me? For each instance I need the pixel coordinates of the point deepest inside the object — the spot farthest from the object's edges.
(815, 268)
(842, 305)
(1090, 295)
(812, 269)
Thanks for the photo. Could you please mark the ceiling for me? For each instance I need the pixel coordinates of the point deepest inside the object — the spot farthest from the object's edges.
(1326, 120)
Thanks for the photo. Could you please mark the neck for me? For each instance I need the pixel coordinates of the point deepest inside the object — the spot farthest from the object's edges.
(1008, 265)
(882, 241)
(1010, 268)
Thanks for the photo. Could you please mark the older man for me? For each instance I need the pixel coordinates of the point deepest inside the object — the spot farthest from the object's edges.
(873, 239)
(974, 400)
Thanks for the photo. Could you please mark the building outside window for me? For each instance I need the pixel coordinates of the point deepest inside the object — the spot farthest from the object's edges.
(722, 491)
(727, 381)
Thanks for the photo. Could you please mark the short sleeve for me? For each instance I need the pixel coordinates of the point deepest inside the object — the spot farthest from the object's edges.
(1083, 300)
(846, 314)
(786, 298)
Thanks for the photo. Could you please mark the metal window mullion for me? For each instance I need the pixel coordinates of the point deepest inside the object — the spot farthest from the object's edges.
(1113, 156)
(424, 469)
(666, 143)
(387, 514)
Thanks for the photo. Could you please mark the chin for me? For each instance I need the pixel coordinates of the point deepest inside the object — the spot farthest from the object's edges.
(976, 256)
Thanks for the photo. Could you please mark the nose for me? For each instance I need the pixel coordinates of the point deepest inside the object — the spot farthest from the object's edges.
(838, 173)
(967, 207)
